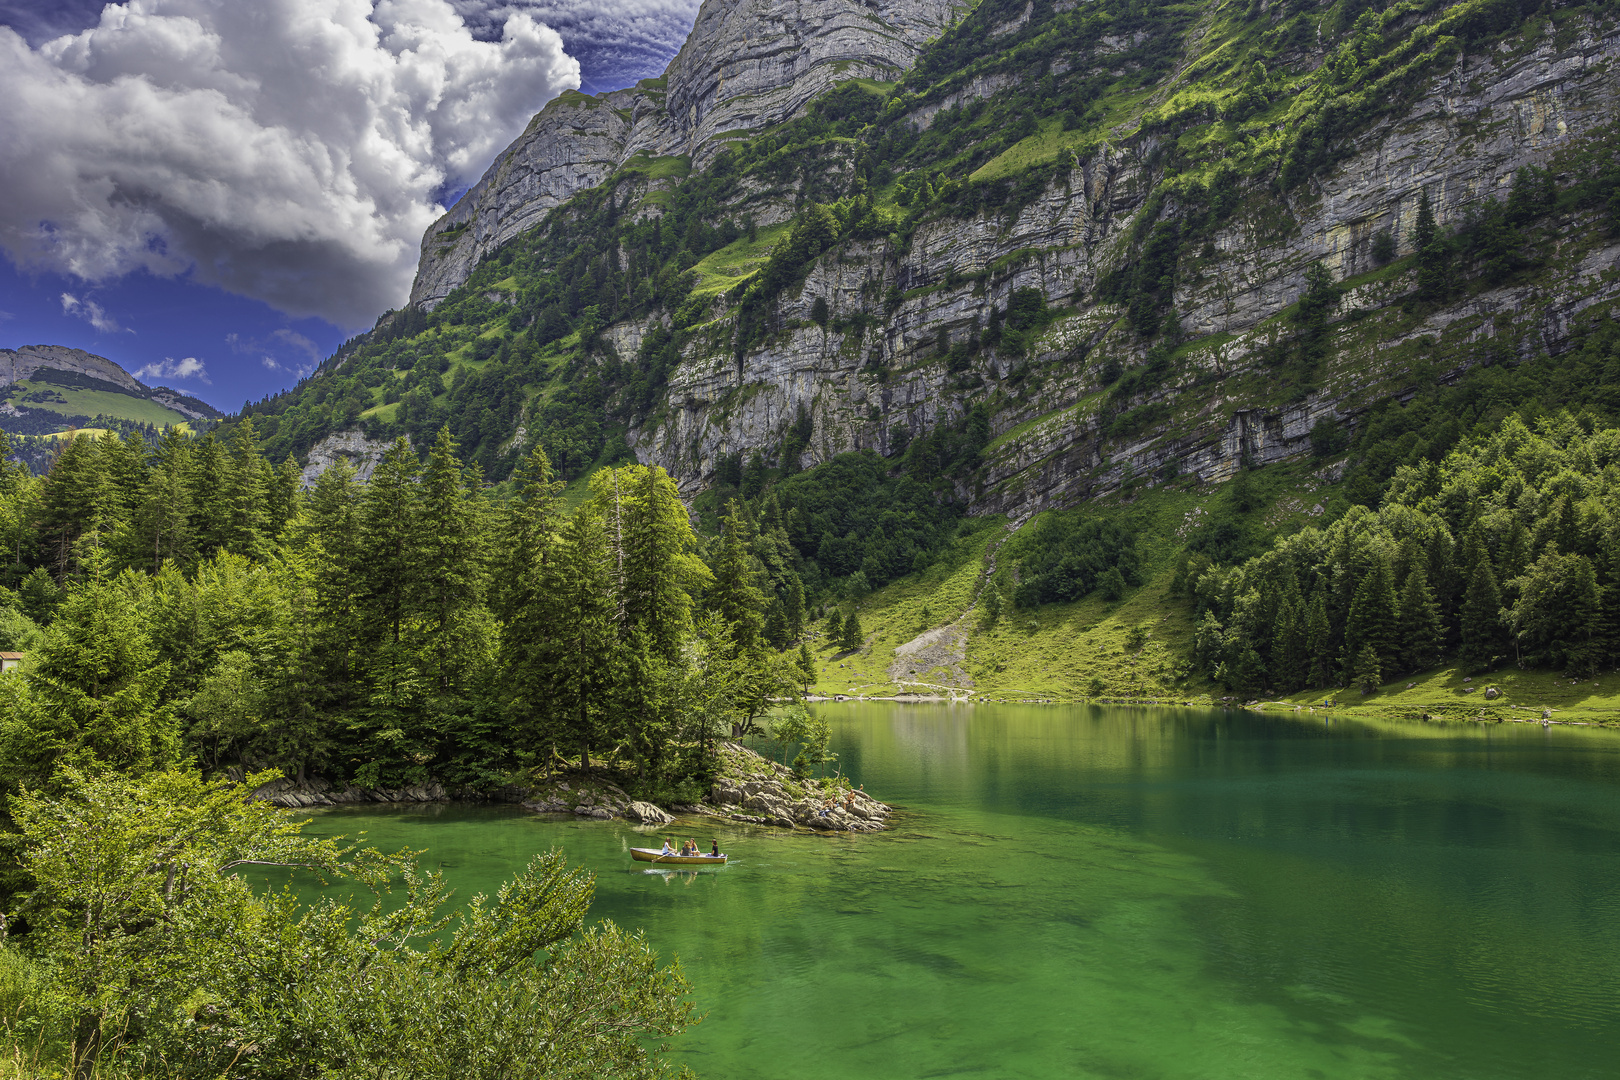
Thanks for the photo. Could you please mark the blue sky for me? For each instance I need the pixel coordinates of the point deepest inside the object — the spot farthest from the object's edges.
(281, 275)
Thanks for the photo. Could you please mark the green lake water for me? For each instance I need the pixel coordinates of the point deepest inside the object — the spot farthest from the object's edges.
(1133, 893)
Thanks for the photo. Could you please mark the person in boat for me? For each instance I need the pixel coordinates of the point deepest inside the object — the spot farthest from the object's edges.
(690, 848)
(667, 849)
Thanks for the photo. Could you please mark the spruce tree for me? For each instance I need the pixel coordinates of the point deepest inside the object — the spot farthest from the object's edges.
(645, 518)
(1419, 623)
(387, 566)
(1433, 253)
(327, 535)
(853, 636)
(1291, 657)
(1367, 672)
(576, 664)
(1320, 641)
(211, 481)
(807, 667)
(247, 496)
(94, 695)
(793, 608)
(1372, 619)
(835, 627)
(528, 534)
(449, 572)
(735, 595)
(1481, 620)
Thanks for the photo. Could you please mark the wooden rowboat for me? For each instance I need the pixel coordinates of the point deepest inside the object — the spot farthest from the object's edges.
(647, 854)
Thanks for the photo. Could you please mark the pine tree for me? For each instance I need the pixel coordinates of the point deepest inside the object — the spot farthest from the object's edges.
(853, 636)
(1482, 630)
(735, 596)
(1433, 253)
(1372, 618)
(835, 626)
(1419, 623)
(807, 667)
(575, 665)
(1320, 641)
(449, 556)
(387, 565)
(1368, 670)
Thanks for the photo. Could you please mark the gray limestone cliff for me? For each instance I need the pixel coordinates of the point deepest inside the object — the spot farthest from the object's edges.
(876, 366)
(1461, 144)
(16, 365)
(746, 64)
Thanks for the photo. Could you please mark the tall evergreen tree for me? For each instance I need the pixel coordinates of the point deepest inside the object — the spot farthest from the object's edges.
(735, 596)
(1419, 623)
(578, 660)
(449, 553)
(660, 571)
(93, 697)
(387, 566)
(1319, 638)
(247, 495)
(1371, 621)
(1291, 664)
(1482, 630)
(1433, 253)
(853, 637)
(835, 626)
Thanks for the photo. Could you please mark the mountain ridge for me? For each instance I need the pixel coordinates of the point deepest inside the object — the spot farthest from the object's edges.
(46, 388)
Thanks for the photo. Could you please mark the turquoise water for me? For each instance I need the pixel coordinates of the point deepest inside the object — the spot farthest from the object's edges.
(1093, 892)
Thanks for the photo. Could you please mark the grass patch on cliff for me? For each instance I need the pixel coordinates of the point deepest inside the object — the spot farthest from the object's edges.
(668, 167)
(726, 268)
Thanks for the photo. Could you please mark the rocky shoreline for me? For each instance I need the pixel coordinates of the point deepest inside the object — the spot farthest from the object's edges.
(749, 790)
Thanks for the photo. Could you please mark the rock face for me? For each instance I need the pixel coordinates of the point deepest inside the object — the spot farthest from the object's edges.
(350, 446)
(746, 64)
(19, 364)
(755, 790)
(1460, 144)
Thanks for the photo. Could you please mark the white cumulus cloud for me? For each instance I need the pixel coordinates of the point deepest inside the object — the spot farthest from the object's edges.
(286, 150)
(170, 368)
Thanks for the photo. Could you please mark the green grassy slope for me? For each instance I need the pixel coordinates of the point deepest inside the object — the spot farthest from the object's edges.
(78, 401)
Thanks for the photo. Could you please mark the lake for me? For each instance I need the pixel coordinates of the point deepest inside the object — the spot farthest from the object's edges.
(1077, 891)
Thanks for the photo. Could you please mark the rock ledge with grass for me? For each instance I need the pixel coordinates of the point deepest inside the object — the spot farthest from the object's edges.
(753, 789)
